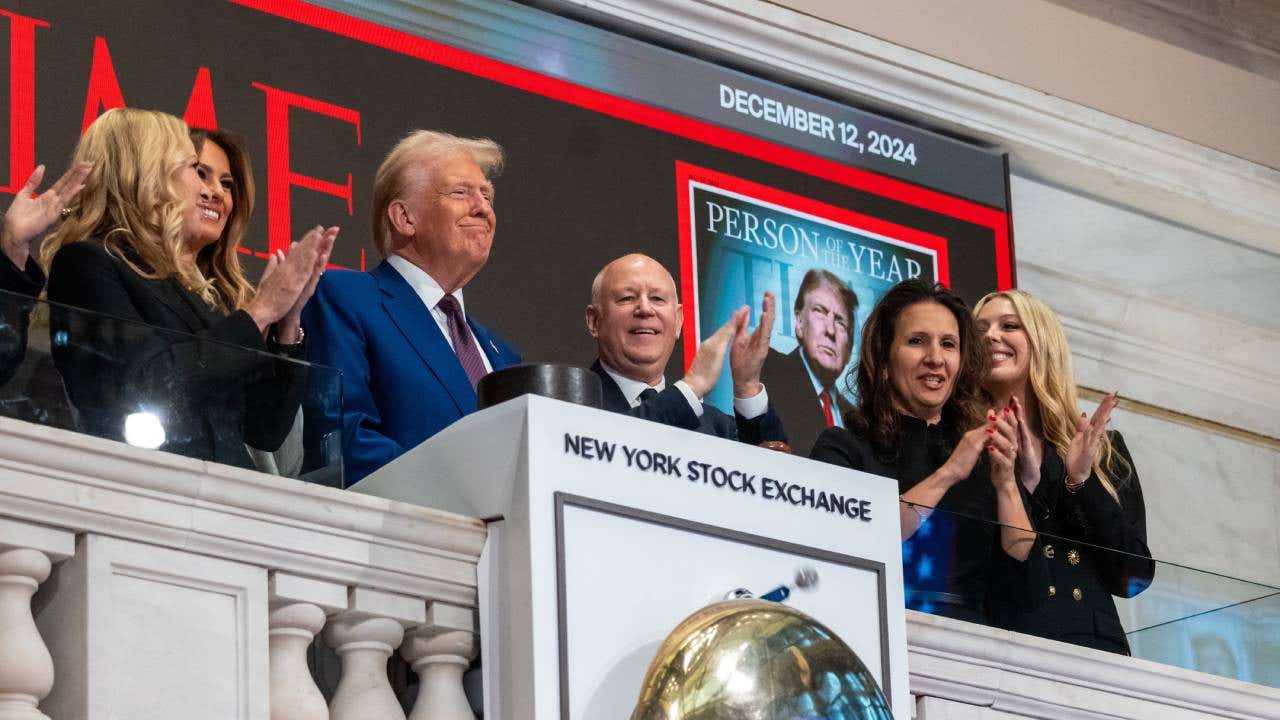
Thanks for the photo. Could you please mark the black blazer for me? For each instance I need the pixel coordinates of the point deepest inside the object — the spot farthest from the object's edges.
(671, 407)
(210, 394)
(20, 287)
(1079, 530)
(950, 562)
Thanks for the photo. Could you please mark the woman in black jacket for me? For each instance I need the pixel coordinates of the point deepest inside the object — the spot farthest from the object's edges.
(1083, 490)
(151, 248)
(921, 420)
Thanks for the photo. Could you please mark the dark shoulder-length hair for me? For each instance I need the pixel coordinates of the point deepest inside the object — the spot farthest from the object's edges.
(876, 414)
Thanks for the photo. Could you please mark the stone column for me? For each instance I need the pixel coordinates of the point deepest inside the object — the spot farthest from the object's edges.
(27, 554)
(440, 650)
(299, 607)
(364, 636)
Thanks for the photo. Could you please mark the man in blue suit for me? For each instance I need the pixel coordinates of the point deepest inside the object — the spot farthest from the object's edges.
(410, 356)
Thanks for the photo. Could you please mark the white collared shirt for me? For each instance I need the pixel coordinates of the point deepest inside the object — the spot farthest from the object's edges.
(818, 390)
(748, 408)
(430, 292)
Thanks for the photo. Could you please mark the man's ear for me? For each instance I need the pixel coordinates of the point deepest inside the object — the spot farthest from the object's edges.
(679, 320)
(593, 321)
(401, 218)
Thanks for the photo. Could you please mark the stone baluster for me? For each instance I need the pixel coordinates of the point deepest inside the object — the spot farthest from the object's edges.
(299, 606)
(439, 651)
(27, 554)
(364, 636)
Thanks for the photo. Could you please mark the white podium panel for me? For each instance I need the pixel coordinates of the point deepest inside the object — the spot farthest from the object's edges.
(604, 655)
(614, 529)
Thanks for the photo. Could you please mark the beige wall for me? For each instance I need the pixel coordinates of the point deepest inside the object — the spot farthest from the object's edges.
(1084, 59)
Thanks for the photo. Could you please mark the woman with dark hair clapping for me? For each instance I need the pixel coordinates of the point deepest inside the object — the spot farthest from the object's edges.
(1083, 489)
(920, 419)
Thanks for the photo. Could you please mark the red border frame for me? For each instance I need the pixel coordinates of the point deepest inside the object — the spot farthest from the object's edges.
(704, 132)
(686, 172)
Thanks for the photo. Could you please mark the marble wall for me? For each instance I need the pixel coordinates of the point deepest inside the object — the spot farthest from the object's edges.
(1183, 321)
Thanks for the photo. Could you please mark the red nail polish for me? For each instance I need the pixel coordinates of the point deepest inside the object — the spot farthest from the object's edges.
(991, 430)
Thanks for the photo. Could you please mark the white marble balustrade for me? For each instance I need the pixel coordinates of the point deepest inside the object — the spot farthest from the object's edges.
(141, 585)
(144, 585)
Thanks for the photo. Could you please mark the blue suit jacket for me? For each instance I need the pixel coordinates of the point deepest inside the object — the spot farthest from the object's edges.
(401, 381)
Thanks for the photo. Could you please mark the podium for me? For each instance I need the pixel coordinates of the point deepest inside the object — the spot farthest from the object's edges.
(606, 531)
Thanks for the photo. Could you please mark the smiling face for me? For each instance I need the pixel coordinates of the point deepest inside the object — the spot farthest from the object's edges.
(207, 186)
(635, 319)
(924, 359)
(823, 331)
(1008, 343)
(452, 218)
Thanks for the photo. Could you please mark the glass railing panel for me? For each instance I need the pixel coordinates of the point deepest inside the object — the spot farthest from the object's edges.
(968, 567)
(1207, 622)
(194, 395)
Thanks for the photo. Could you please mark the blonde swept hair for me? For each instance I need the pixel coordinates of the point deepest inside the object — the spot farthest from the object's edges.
(409, 162)
(1052, 381)
(131, 201)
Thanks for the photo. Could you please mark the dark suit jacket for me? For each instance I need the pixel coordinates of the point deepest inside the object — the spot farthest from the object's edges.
(28, 280)
(671, 407)
(20, 287)
(791, 393)
(153, 346)
(401, 381)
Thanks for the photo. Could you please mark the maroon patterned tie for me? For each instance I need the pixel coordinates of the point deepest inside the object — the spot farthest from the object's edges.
(463, 344)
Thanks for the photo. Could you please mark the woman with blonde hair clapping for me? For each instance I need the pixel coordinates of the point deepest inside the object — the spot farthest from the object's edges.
(152, 241)
(1084, 493)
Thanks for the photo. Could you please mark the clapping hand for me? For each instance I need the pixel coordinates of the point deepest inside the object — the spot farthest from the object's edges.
(704, 371)
(29, 216)
(747, 356)
(998, 437)
(1084, 445)
(289, 281)
(1030, 452)
(1002, 445)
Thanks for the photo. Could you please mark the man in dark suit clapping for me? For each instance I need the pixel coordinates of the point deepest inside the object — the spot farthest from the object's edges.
(635, 318)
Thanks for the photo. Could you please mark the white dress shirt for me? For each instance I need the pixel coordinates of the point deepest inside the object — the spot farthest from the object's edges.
(749, 408)
(430, 292)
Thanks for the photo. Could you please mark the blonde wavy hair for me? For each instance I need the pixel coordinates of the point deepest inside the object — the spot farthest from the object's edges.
(131, 200)
(1053, 383)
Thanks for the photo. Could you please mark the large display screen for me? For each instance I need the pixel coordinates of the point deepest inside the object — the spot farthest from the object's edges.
(735, 183)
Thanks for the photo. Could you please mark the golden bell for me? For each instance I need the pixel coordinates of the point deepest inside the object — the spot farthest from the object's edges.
(757, 660)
